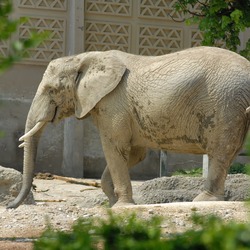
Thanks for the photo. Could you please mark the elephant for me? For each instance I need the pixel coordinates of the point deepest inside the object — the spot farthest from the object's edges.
(196, 101)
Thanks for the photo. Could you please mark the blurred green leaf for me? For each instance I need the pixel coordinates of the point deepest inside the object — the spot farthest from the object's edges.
(127, 232)
(225, 21)
(236, 15)
(8, 27)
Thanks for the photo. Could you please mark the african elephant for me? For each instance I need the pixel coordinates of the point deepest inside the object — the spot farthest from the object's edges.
(193, 101)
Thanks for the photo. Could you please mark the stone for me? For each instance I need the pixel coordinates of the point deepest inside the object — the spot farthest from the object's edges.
(10, 185)
(185, 189)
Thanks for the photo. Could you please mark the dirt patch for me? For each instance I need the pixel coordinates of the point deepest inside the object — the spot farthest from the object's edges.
(61, 203)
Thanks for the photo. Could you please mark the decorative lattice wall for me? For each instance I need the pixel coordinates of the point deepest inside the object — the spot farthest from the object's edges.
(196, 37)
(4, 48)
(162, 9)
(117, 8)
(51, 48)
(147, 27)
(43, 15)
(156, 40)
(44, 4)
(107, 35)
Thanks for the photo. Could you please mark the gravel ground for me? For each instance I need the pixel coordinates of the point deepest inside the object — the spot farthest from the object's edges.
(60, 204)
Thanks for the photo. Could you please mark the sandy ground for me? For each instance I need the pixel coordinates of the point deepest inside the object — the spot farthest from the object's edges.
(60, 204)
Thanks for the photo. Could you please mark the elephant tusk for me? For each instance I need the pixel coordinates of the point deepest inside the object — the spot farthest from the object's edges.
(36, 128)
(247, 110)
(22, 145)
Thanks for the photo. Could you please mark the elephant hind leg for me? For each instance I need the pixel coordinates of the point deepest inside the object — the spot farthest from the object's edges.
(214, 184)
(219, 164)
(136, 155)
(221, 152)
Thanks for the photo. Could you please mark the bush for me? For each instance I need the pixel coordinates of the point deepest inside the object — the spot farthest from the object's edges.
(239, 168)
(236, 168)
(118, 232)
(195, 172)
(128, 232)
(213, 234)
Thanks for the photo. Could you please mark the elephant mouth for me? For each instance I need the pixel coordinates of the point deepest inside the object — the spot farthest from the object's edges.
(60, 113)
(54, 118)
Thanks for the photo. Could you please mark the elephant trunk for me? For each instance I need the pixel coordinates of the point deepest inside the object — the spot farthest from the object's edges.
(31, 138)
(42, 110)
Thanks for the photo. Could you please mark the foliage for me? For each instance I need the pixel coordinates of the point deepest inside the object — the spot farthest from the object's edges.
(239, 168)
(128, 232)
(219, 20)
(192, 172)
(118, 232)
(7, 28)
(235, 168)
(2, 134)
(214, 234)
(79, 236)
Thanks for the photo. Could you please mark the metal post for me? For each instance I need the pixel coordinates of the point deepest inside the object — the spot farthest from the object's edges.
(205, 166)
(72, 164)
(73, 148)
(163, 163)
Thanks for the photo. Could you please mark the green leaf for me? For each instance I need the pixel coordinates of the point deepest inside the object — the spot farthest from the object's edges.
(236, 15)
(216, 6)
(8, 27)
(2, 134)
(18, 46)
(225, 21)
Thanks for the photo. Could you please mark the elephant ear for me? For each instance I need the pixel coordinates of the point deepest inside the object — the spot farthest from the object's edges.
(99, 74)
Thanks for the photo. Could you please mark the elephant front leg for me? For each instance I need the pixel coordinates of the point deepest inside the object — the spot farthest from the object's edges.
(137, 154)
(117, 158)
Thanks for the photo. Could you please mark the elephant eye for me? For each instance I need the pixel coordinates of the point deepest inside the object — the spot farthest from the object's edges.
(52, 92)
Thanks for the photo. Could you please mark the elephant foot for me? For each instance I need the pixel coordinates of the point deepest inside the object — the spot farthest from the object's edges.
(123, 204)
(207, 196)
(124, 201)
(112, 202)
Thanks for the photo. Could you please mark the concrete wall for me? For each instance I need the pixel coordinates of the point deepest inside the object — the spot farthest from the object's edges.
(18, 86)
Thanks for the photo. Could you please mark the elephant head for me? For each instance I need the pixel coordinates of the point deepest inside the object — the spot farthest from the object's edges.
(70, 85)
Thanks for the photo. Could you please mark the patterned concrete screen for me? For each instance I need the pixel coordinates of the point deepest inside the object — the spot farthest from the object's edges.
(43, 15)
(145, 27)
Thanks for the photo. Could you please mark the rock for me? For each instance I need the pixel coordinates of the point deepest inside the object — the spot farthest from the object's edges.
(180, 188)
(10, 185)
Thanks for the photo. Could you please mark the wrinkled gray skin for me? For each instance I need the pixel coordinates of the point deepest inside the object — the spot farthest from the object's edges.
(193, 101)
